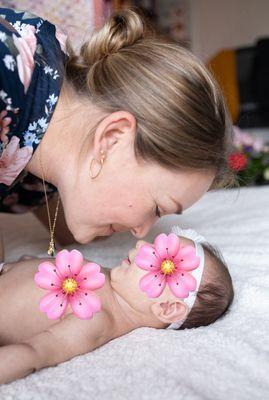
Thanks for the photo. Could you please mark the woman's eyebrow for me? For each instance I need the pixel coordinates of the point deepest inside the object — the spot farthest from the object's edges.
(179, 207)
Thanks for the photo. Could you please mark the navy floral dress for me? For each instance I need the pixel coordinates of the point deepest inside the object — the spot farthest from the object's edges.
(32, 62)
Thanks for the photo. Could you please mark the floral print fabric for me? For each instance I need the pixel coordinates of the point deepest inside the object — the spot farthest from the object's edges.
(32, 60)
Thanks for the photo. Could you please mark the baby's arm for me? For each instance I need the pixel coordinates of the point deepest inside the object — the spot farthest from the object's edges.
(61, 342)
(16, 361)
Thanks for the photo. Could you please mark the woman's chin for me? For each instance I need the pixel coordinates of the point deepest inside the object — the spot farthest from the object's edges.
(84, 239)
(107, 232)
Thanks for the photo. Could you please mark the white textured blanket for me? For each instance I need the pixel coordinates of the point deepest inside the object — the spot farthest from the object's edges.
(227, 360)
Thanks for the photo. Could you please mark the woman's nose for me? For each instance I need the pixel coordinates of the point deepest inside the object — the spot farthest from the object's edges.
(141, 231)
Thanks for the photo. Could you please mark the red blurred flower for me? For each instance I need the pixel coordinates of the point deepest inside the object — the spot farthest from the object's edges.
(238, 161)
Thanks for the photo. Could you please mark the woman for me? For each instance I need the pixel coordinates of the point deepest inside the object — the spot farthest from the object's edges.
(130, 129)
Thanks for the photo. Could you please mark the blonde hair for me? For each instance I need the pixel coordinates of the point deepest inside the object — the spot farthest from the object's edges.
(181, 116)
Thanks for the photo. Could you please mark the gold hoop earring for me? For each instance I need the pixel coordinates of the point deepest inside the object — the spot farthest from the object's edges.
(101, 162)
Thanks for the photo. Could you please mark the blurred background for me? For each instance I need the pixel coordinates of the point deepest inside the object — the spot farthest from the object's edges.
(230, 36)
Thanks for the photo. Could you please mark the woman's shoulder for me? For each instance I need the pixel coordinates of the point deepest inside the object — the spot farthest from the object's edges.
(16, 20)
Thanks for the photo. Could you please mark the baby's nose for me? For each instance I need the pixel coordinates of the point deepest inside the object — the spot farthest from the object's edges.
(140, 243)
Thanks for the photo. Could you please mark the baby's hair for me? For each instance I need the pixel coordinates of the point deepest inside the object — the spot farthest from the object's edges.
(182, 120)
(215, 295)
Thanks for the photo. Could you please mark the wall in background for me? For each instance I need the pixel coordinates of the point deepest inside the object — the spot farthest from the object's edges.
(217, 24)
(76, 18)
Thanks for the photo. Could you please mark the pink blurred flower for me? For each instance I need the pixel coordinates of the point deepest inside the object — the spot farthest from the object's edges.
(13, 160)
(237, 161)
(4, 128)
(242, 138)
(168, 263)
(69, 281)
(26, 45)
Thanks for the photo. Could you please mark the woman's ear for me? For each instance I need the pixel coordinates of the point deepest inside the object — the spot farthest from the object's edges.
(111, 128)
(170, 311)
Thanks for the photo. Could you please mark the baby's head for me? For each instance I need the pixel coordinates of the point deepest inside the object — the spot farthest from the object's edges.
(163, 308)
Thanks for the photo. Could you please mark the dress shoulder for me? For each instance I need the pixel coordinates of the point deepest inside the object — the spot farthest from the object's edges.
(32, 64)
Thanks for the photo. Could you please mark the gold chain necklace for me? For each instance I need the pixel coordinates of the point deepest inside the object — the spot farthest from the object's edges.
(51, 248)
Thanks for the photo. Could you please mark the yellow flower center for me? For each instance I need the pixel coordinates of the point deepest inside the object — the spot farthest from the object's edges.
(69, 285)
(167, 267)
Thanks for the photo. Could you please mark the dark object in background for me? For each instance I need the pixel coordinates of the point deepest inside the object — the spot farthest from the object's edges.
(253, 84)
(260, 74)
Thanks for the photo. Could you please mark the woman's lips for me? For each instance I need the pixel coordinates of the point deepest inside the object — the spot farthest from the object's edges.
(112, 230)
(119, 229)
(108, 232)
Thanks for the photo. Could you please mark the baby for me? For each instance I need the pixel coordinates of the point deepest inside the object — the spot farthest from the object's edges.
(30, 341)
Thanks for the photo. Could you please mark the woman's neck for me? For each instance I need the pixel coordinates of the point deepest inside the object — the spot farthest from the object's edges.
(61, 144)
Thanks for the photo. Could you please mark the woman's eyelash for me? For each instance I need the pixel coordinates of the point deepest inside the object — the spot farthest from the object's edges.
(158, 213)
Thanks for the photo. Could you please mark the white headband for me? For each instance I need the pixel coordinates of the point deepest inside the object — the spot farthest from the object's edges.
(196, 273)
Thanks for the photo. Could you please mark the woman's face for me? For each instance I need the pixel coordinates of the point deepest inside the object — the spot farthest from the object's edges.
(127, 195)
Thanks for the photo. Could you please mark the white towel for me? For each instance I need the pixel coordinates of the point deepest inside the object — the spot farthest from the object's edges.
(227, 360)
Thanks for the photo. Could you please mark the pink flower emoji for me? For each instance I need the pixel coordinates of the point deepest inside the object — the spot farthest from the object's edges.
(4, 129)
(243, 138)
(69, 281)
(26, 46)
(13, 160)
(168, 263)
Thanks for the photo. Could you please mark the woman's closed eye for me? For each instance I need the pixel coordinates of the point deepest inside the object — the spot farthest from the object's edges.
(157, 211)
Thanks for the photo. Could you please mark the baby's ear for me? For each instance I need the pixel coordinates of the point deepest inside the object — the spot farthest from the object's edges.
(170, 311)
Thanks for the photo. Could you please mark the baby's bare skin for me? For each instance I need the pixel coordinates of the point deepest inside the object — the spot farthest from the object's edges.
(30, 341)
(20, 317)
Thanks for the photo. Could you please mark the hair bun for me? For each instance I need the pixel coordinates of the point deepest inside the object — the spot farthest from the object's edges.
(121, 29)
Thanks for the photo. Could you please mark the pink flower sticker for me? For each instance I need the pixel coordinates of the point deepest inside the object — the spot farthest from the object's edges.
(168, 262)
(69, 281)
(13, 160)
